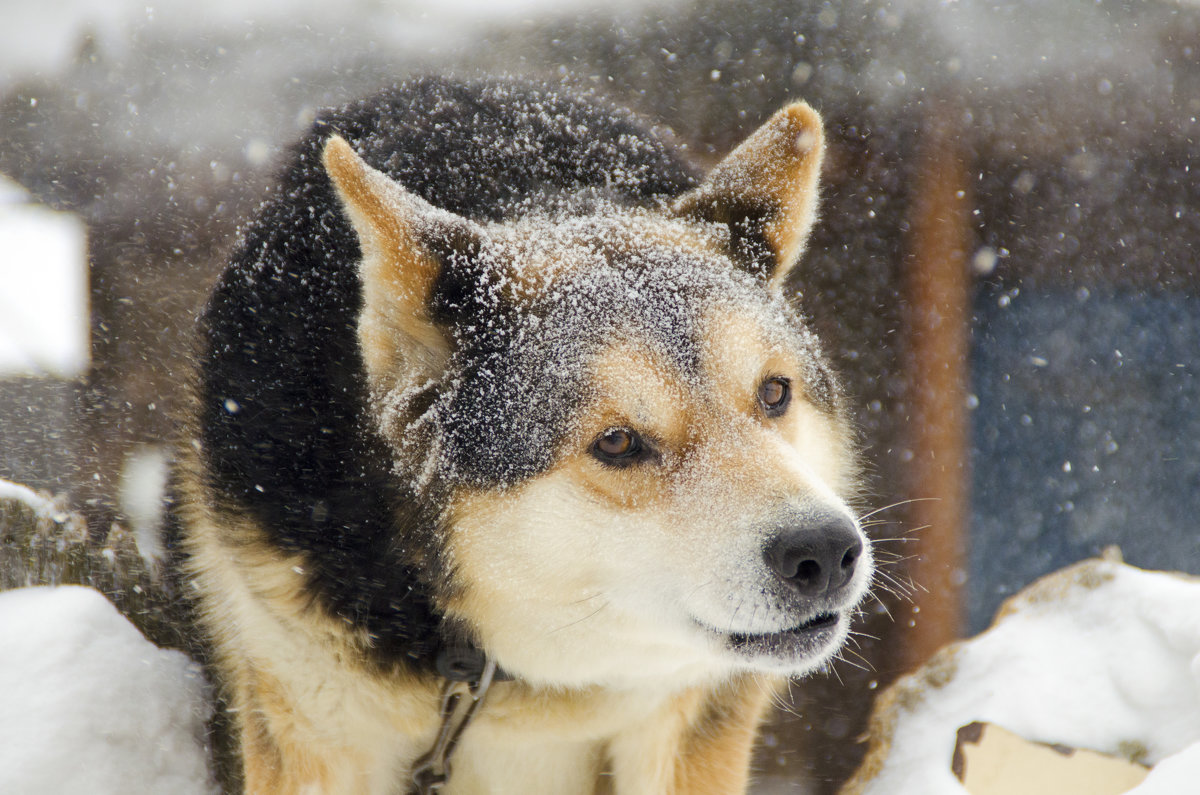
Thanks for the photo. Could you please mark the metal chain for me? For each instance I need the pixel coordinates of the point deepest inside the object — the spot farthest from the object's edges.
(431, 772)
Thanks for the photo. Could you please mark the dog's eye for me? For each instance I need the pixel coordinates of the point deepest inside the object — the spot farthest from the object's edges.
(774, 396)
(617, 445)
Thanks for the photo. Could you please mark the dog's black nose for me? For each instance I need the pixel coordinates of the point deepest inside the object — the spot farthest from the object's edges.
(816, 558)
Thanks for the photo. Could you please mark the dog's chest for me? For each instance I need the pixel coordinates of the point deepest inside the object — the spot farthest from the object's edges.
(556, 742)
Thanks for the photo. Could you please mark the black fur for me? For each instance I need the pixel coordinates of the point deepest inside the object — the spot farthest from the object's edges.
(282, 392)
(746, 221)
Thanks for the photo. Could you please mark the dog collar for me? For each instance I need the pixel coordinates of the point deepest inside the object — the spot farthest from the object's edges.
(462, 695)
(464, 662)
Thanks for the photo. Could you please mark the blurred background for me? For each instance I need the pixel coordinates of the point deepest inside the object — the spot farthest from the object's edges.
(1006, 268)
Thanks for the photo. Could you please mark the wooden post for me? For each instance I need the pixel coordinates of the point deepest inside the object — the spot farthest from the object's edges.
(936, 290)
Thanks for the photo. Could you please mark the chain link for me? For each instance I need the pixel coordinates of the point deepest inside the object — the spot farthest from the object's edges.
(460, 702)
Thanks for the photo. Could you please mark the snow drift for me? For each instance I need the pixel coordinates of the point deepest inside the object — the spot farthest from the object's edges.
(1100, 655)
(89, 705)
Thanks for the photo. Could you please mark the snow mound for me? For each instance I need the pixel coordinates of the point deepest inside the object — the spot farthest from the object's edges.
(89, 704)
(41, 506)
(1100, 655)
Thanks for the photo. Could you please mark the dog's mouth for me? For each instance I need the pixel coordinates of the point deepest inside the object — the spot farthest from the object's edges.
(797, 645)
(823, 623)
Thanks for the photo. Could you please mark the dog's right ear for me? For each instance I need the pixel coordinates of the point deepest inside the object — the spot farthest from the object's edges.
(401, 343)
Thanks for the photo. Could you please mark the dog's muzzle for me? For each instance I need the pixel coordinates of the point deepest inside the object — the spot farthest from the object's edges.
(814, 567)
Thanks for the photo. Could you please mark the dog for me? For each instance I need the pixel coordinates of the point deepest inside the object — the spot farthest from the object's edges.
(511, 467)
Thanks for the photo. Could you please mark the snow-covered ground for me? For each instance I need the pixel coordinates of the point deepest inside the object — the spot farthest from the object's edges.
(91, 706)
(1101, 656)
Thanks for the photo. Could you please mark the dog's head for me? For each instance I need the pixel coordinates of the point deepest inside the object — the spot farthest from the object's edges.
(641, 455)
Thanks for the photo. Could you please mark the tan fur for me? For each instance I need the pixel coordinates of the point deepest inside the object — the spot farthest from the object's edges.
(698, 743)
(718, 749)
(735, 376)
(693, 741)
(721, 464)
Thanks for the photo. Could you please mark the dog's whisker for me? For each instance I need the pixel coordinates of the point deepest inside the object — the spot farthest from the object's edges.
(786, 702)
(896, 504)
(587, 599)
(858, 634)
(892, 540)
(862, 664)
(880, 522)
(831, 668)
(882, 604)
(578, 621)
(900, 589)
(697, 589)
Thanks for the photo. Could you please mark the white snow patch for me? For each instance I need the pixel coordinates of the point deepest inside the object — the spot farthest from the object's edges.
(26, 495)
(1100, 656)
(89, 705)
(1174, 775)
(143, 491)
(44, 301)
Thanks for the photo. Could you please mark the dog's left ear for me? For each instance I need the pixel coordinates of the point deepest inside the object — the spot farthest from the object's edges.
(765, 191)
